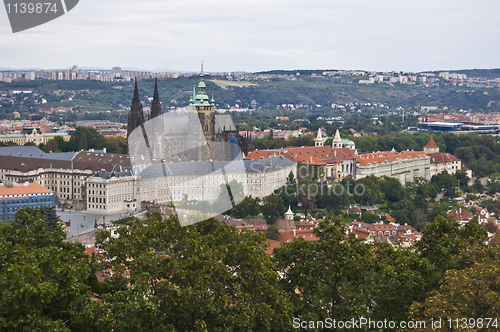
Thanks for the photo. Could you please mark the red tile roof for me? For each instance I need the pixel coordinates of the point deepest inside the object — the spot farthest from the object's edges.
(385, 157)
(273, 244)
(32, 188)
(431, 144)
(460, 214)
(441, 157)
(307, 155)
(306, 234)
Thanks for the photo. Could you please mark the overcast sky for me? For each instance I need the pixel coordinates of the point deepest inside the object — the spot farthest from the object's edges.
(256, 35)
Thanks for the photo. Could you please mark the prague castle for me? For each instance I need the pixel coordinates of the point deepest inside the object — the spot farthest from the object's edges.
(198, 135)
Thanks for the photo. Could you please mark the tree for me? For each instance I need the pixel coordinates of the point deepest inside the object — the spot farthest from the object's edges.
(446, 182)
(248, 207)
(369, 217)
(273, 208)
(326, 278)
(392, 189)
(306, 196)
(290, 180)
(83, 143)
(443, 240)
(472, 292)
(43, 279)
(273, 233)
(399, 279)
(205, 277)
(51, 218)
(368, 144)
(51, 146)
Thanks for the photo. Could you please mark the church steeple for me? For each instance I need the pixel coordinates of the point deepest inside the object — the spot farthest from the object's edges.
(136, 93)
(318, 141)
(337, 141)
(136, 117)
(155, 105)
(201, 98)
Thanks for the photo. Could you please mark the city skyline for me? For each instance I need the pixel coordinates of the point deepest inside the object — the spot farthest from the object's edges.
(258, 36)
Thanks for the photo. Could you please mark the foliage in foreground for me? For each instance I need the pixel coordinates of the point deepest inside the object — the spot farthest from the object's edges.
(210, 277)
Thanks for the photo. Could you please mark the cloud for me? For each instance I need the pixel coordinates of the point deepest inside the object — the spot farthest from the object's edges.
(259, 35)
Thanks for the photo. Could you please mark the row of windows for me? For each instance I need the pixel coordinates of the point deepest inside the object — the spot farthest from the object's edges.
(97, 200)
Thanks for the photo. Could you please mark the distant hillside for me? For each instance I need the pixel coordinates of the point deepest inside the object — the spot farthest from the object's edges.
(265, 94)
(487, 73)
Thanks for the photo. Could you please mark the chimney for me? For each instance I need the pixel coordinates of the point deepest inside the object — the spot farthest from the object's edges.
(459, 210)
(104, 150)
(335, 153)
(293, 231)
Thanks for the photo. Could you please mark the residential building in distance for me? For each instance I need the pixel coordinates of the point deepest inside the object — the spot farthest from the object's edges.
(34, 136)
(16, 196)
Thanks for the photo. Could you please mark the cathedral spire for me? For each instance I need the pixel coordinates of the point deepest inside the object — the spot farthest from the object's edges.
(155, 105)
(136, 117)
(201, 98)
(136, 93)
(155, 96)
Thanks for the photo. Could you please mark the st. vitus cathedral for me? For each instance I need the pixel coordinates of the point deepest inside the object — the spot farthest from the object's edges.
(198, 135)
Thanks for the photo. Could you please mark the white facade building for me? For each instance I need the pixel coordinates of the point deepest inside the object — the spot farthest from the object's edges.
(405, 166)
(173, 182)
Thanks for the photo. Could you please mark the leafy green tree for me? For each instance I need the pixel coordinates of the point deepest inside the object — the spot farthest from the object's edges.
(83, 143)
(43, 279)
(205, 277)
(306, 196)
(154, 214)
(51, 146)
(403, 211)
(290, 180)
(392, 189)
(368, 144)
(273, 233)
(471, 292)
(248, 207)
(399, 279)
(272, 208)
(288, 192)
(51, 218)
(446, 182)
(369, 217)
(442, 242)
(326, 278)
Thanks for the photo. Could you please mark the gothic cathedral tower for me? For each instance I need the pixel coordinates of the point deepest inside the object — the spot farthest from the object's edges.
(205, 109)
(155, 105)
(136, 117)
